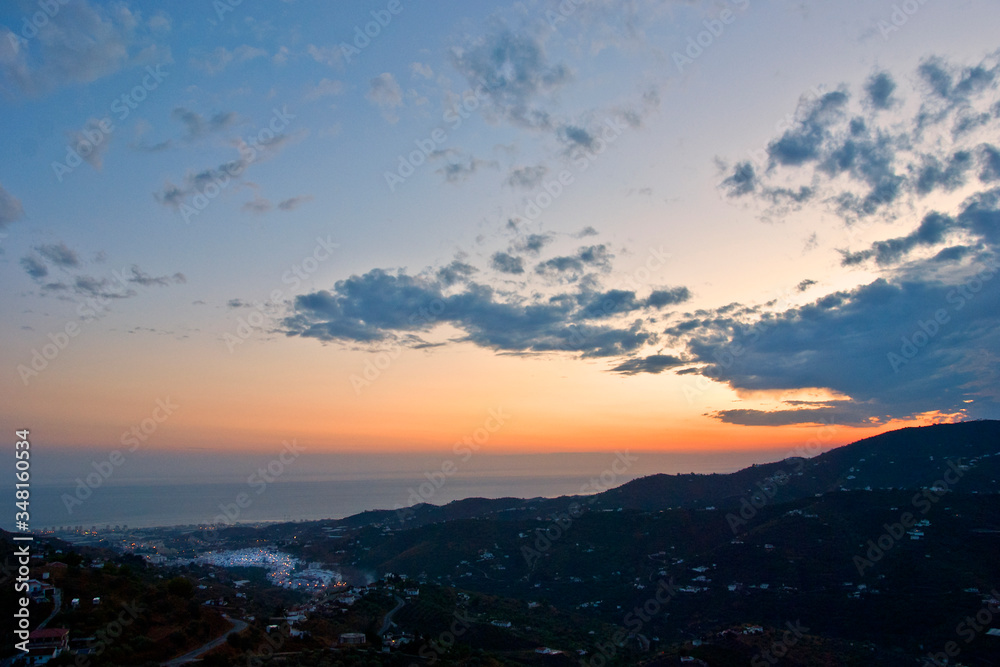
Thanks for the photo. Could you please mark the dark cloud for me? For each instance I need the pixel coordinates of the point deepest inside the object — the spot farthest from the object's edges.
(978, 219)
(789, 195)
(951, 89)
(197, 126)
(258, 205)
(137, 276)
(742, 181)
(505, 263)
(805, 284)
(896, 347)
(967, 121)
(869, 159)
(105, 288)
(668, 297)
(931, 232)
(933, 174)
(599, 305)
(457, 171)
(587, 257)
(935, 74)
(513, 70)
(78, 44)
(863, 163)
(956, 85)
(822, 415)
(802, 143)
(989, 161)
(10, 208)
(879, 89)
(527, 177)
(597, 256)
(378, 305)
(59, 254)
(532, 243)
(118, 286)
(455, 272)
(194, 183)
(34, 267)
(293, 203)
(365, 308)
(654, 363)
(576, 137)
(381, 305)
(955, 253)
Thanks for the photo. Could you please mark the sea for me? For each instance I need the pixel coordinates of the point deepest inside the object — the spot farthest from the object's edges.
(82, 489)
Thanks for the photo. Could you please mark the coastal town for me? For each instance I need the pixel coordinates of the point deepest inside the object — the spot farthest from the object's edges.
(551, 581)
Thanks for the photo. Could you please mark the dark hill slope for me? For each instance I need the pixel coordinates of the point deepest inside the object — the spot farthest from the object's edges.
(907, 458)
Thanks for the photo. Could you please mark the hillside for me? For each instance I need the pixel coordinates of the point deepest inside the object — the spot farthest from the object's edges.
(906, 458)
(875, 552)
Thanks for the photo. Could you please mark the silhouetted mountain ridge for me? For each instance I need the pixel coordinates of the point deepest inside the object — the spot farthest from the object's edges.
(908, 458)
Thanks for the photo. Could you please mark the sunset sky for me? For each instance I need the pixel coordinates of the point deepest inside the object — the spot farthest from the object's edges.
(577, 226)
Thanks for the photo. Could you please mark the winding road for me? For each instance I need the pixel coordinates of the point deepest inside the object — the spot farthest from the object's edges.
(56, 607)
(388, 617)
(190, 656)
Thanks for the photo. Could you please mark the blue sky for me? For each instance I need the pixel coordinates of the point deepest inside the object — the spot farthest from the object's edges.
(679, 224)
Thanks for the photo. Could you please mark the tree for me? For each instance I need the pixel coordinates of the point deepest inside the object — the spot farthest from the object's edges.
(181, 587)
